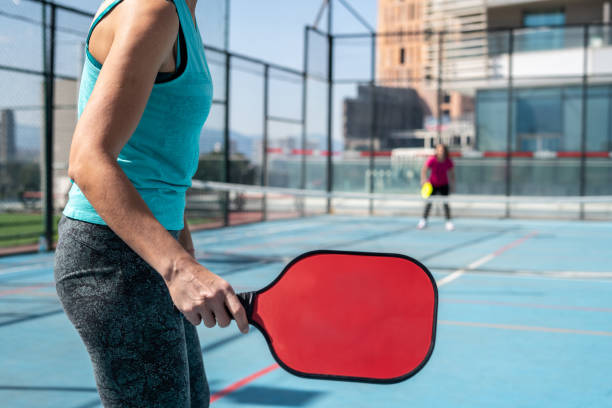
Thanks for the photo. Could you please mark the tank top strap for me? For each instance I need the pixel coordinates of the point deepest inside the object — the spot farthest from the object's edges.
(193, 39)
(185, 17)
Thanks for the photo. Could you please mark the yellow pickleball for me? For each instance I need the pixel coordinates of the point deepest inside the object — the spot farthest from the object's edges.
(426, 190)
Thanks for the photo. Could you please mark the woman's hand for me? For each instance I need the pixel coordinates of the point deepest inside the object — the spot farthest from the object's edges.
(203, 296)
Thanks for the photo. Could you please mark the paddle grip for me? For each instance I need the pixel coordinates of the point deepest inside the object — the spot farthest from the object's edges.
(247, 299)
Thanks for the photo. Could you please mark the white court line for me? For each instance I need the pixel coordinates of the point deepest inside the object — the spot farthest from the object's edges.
(481, 261)
(451, 277)
(271, 230)
(574, 276)
(459, 272)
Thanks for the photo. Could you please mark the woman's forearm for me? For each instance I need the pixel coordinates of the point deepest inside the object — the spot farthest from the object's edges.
(117, 201)
(185, 239)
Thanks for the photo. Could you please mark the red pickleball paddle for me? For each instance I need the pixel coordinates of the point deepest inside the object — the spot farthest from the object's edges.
(352, 316)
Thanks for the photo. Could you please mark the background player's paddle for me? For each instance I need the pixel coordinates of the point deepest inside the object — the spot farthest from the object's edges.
(426, 190)
(351, 316)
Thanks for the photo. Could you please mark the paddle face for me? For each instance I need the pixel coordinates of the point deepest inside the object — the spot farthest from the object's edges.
(426, 190)
(349, 316)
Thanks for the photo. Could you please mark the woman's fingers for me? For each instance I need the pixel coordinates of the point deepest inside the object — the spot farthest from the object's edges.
(207, 317)
(238, 312)
(223, 319)
(193, 318)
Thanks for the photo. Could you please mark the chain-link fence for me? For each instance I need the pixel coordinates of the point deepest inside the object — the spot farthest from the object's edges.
(525, 112)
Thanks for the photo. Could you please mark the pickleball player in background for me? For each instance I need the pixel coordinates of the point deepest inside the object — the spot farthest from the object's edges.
(441, 171)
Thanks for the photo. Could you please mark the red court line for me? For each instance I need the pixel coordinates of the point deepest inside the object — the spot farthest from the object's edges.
(242, 383)
(514, 244)
(23, 289)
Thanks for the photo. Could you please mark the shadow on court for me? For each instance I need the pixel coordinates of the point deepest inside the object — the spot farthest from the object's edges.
(274, 396)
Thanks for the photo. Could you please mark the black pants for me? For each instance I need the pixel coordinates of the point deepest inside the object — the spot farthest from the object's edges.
(144, 352)
(439, 190)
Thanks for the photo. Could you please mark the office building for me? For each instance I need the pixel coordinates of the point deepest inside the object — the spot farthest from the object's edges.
(381, 111)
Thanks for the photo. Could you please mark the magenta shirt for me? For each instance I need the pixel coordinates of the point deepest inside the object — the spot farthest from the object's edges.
(439, 171)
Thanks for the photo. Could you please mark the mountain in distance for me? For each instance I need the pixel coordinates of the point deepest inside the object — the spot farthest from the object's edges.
(210, 139)
(29, 141)
(246, 144)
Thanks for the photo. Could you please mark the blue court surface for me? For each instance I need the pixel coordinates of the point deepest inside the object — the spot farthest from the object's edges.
(525, 318)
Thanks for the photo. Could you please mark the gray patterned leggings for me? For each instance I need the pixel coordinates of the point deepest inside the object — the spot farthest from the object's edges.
(144, 352)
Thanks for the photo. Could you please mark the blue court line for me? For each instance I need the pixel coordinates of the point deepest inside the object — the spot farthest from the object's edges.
(31, 317)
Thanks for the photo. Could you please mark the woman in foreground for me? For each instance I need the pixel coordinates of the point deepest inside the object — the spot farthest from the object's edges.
(125, 269)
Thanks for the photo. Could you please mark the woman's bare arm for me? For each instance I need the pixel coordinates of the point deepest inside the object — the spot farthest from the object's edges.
(185, 239)
(144, 33)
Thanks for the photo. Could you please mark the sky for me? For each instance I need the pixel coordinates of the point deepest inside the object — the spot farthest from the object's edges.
(271, 30)
(274, 29)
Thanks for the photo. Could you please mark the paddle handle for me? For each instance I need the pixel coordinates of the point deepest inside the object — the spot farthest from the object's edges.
(247, 299)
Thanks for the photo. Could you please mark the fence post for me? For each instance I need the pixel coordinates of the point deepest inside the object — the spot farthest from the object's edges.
(509, 120)
(330, 111)
(226, 139)
(49, 92)
(583, 124)
(440, 73)
(304, 115)
(264, 167)
(374, 125)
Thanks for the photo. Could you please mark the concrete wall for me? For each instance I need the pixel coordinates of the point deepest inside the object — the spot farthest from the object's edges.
(66, 97)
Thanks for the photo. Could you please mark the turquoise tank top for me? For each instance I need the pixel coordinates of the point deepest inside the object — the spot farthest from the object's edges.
(162, 154)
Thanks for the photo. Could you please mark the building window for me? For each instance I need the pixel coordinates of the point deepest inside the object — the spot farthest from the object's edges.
(544, 31)
(547, 119)
(402, 55)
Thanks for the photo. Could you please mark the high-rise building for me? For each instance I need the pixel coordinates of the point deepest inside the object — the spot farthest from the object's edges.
(401, 57)
(8, 149)
(553, 41)
(412, 54)
(381, 111)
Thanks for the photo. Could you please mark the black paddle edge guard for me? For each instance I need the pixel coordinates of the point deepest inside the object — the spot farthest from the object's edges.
(248, 299)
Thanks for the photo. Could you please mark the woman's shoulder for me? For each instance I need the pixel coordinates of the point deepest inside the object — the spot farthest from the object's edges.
(139, 12)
